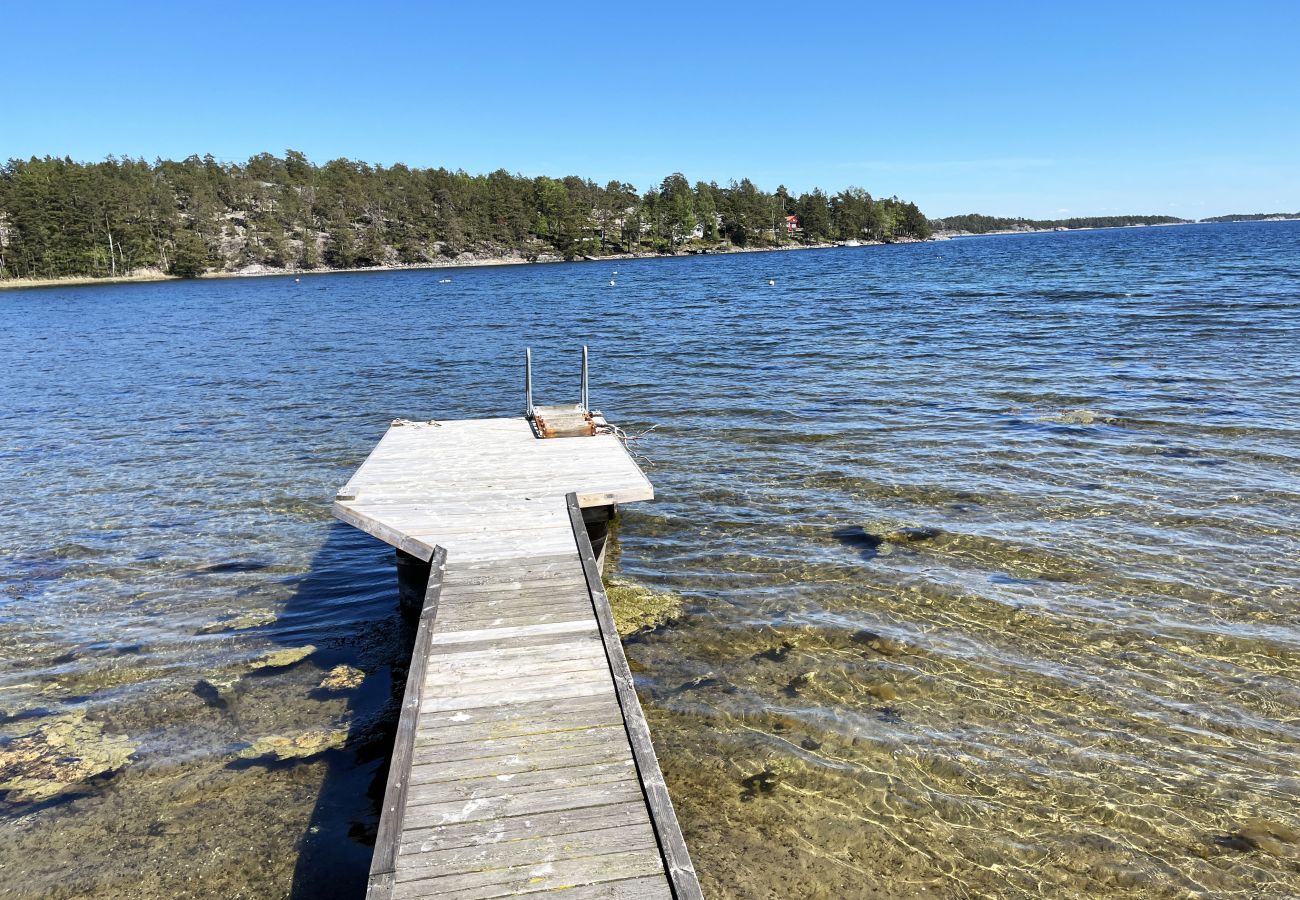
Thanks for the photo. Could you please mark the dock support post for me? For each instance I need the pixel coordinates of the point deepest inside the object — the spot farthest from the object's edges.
(597, 519)
(412, 581)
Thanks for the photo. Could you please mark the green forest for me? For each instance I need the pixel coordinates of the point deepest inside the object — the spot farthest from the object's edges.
(60, 218)
(974, 223)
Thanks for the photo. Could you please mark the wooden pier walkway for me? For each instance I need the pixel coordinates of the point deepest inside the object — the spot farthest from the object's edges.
(522, 762)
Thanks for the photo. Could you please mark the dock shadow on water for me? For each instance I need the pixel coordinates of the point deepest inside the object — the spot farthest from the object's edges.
(368, 667)
(252, 761)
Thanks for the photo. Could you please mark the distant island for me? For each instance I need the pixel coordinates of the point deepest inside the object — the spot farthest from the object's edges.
(1256, 217)
(129, 218)
(974, 223)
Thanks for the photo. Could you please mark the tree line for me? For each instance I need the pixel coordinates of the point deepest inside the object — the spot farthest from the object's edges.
(974, 223)
(1253, 217)
(60, 218)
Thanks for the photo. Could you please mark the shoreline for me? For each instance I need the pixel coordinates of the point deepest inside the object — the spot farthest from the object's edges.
(950, 235)
(144, 276)
(472, 261)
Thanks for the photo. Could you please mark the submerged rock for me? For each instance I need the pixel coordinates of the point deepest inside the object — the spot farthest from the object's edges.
(878, 642)
(59, 755)
(1273, 838)
(774, 654)
(311, 743)
(637, 608)
(763, 782)
(211, 694)
(912, 534)
(342, 678)
(1080, 417)
(278, 659)
(798, 683)
(767, 780)
(877, 538)
(883, 692)
(239, 623)
(858, 537)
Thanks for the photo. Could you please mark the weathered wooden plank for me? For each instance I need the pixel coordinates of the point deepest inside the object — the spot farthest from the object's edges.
(522, 589)
(602, 748)
(520, 601)
(582, 688)
(543, 610)
(542, 639)
(506, 685)
(392, 815)
(681, 872)
(652, 887)
(567, 648)
(513, 618)
(491, 786)
(532, 718)
(505, 742)
(518, 828)
(472, 565)
(522, 804)
(386, 533)
(488, 736)
(505, 882)
(509, 634)
(533, 851)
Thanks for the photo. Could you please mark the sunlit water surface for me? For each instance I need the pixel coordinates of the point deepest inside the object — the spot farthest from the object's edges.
(989, 549)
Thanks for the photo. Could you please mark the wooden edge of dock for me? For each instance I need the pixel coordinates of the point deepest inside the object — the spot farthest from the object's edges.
(668, 833)
(383, 864)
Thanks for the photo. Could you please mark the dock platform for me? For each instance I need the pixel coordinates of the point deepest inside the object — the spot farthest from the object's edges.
(522, 762)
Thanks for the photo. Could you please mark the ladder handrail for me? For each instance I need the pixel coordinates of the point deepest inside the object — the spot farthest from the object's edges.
(583, 402)
(584, 397)
(528, 382)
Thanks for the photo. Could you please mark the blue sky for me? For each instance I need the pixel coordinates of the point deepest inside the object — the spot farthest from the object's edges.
(1040, 109)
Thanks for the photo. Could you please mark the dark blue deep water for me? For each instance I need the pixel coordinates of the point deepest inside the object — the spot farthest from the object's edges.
(989, 550)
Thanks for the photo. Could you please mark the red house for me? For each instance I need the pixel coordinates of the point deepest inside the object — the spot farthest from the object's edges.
(792, 225)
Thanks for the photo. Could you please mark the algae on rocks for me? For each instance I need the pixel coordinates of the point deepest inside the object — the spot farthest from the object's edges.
(637, 608)
(279, 659)
(61, 754)
(255, 619)
(342, 677)
(302, 746)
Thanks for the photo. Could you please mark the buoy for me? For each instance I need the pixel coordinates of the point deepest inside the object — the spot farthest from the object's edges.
(611, 282)
(297, 280)
(771, 281)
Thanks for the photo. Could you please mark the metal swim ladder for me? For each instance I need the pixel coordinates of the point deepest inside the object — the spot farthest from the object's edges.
(568, 420)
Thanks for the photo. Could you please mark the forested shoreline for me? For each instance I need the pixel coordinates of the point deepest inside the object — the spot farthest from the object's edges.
(974, 223)
(126, 217)
(1254, 217)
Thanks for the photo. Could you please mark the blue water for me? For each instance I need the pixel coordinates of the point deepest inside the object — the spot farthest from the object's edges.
(990, 550)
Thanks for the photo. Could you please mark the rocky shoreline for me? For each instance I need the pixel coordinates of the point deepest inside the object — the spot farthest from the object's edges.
(461, 261)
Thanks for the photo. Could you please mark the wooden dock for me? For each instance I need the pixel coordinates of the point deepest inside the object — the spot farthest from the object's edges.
(522, 762)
